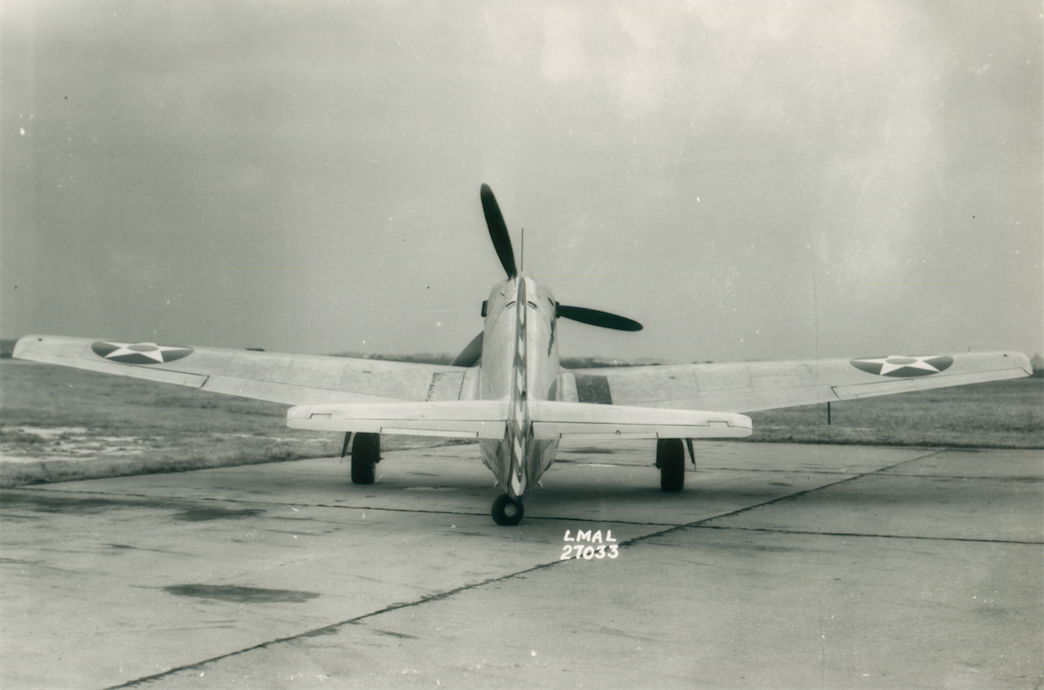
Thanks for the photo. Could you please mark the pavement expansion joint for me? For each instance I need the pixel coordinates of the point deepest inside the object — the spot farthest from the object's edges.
(384, 509)
(865, 535)
(703, 521)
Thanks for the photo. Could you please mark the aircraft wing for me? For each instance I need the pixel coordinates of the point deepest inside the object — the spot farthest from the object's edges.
(290, 379)
(753, 386)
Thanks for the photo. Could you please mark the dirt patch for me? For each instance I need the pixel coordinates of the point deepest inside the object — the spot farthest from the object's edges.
(241, 595)
(42, 502)
(207, 513)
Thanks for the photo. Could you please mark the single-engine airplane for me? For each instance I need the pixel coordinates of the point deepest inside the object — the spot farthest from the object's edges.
(508, 391)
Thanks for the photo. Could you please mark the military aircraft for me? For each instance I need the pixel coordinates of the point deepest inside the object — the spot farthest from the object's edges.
(508, 391)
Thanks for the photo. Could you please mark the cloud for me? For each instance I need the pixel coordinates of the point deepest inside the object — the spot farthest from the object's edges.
(309, 153)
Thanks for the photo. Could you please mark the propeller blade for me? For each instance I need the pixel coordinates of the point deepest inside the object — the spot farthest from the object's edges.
(471, 353)
(594, 317)
(498, 231)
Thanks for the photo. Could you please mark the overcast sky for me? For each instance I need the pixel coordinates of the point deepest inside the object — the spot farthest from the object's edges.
(750, 180)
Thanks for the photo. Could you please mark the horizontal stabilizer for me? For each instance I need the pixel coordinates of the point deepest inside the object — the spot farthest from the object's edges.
(455, 419)
(552, 419)
(487, 419)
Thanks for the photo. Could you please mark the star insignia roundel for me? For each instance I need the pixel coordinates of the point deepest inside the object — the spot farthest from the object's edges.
(902, 367)
(139, 353)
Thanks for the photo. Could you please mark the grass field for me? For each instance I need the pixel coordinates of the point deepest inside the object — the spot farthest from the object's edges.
(1001, 414)
(60, 424)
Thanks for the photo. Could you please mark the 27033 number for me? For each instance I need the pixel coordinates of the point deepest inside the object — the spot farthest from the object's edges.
(589, 551)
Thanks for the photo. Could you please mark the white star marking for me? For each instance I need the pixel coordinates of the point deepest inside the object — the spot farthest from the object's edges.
(893, 362)
(150, 350)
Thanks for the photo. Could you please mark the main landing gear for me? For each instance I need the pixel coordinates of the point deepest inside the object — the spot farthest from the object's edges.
(366, 453)
(507, 510)
(670, 458)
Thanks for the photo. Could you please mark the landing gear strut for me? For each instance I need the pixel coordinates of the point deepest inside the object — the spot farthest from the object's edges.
(366, 453)
(670, 458)
(507, 510)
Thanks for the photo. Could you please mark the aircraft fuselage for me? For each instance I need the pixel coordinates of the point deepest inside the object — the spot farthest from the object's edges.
(519, 364)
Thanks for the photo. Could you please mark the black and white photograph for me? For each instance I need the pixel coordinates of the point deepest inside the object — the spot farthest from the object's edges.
(549, 344)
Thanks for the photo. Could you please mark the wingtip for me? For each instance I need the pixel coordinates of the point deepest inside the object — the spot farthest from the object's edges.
(23, 344)
(1023, 361)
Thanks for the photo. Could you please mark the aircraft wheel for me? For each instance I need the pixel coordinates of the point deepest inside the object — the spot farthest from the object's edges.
(366, 453)
(507, 511)
(670, 458)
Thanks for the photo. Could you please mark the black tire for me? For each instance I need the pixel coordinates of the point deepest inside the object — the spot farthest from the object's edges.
(670, 458)
(507, 511)
(366, 453)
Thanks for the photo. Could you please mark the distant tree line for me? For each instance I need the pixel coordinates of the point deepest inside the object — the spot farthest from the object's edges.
(443, 358)
(419, 358)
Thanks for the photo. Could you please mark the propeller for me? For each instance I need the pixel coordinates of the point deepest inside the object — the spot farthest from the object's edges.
(471, 353)
(498, 232)
(594, 317)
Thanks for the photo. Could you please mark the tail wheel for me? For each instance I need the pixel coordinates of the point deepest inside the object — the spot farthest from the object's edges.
(507, 511)
(366, 453)
(670, 458)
